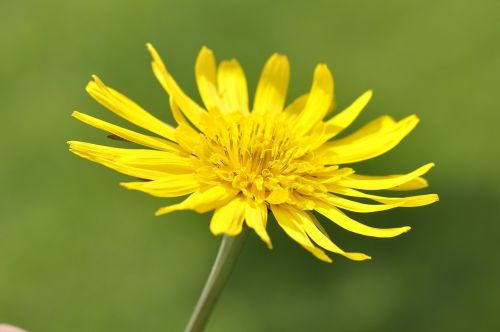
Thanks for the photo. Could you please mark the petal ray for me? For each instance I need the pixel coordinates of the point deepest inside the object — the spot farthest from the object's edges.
(170, 185)
(309, 223)
(191, 109)
(296, 107)
(127, 109)
(353, 206)
(319, 101)
(380, 183)
(342, 120)
(233, 86)
(273, 85)
(369, 146)
(203, 200)
(289, 220)
(228, 219)
(338, 217)
(410, 201)
(141, 163)
(129, 135)
(177, 113)
(413, 184)
(256, 218)
(206, 79)
(94, 153)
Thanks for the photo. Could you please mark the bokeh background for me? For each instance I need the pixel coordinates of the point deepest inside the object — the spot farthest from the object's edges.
(79, 253)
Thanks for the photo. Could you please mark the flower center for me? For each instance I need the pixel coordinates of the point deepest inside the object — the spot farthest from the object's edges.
(260, 157)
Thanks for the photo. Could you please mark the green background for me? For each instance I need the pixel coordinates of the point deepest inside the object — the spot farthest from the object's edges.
(79, 253)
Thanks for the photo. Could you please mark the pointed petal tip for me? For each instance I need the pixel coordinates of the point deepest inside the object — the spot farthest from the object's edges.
(163, 210)
(426, 169)
(324, 77)
(127, 185)
(278, 58)
(356, 256)
(232, 62)
(319, 254)
(322, 68)
(151, 49)
(424, 183)
(276, 55)
(326, 259)
(413, 118)
(168, 209)
(95, 81)
(205, 49)
(94, 78)
(267, 242)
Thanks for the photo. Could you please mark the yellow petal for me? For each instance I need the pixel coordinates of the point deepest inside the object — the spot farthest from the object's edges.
(278, 196)
(172, 163)
(410, 201)
(413, 184)
(96, 154)
(228, 219)
(206, 79)
(382, 182)
(353, 206)
(309, 223)
(379, 125)
(233, 86)
(127, 109)
(342, 120)
(144, 164)
(289, 220)
(177, 113)
(273, 85)
(319, 101)
(170, 185)
(256, 218)
(129, 135)
(296, 107)
(369, 146)
(191, 110)
(188, 138)
(338, 217)
(203, 200)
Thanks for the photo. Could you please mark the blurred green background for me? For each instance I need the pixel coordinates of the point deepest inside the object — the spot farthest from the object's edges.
(79, 253)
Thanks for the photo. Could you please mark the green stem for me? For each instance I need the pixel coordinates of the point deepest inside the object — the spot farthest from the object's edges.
(229, 250)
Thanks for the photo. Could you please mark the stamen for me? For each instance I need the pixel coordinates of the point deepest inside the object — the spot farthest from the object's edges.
(261, 158)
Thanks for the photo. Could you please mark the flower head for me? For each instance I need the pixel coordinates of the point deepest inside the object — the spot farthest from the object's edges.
(243, 161)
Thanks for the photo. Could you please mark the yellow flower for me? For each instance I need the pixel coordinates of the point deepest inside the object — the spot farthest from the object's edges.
(243, 161)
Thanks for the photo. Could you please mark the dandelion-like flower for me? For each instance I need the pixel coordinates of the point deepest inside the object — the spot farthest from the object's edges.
(243, 161)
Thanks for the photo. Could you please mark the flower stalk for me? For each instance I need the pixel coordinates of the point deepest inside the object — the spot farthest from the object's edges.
(225, 261)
